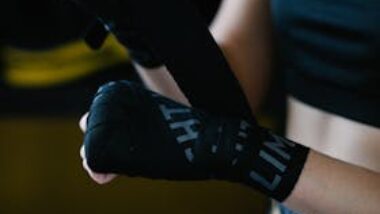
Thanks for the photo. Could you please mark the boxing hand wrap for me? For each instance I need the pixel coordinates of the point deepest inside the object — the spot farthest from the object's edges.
(177, 36)
(138, 49)
(137, 132)
(110, 15)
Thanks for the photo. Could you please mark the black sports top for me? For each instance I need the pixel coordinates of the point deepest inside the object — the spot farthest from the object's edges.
(330, 51)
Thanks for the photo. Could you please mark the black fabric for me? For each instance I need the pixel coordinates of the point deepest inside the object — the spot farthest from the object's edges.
(329, 97)
(179, 36)
(138, 47)
(96, 34)
(111, 17)
(132, 39)
(126, 134)
(330, 51)
(177, 32)
(136, 132)
(127, 35)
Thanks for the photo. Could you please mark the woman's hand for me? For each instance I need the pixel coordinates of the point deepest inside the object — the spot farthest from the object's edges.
(97, 177)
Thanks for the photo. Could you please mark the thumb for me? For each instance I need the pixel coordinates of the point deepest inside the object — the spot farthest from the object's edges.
(83, 122)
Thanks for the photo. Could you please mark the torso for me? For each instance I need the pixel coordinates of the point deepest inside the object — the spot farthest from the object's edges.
(328, 51)
(335, 136)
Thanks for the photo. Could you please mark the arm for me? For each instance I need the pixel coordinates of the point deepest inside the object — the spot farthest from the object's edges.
(242, 30)
(159, 80)
(243, 153)
(327, 185)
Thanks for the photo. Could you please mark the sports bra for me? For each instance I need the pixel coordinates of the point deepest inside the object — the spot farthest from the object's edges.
(330, 53)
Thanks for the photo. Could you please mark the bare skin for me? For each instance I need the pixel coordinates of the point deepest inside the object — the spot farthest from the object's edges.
(242, 29)
(326, 184)
(245, 38)
(334, 136)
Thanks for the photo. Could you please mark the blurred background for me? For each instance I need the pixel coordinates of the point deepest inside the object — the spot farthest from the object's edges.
(48, 76)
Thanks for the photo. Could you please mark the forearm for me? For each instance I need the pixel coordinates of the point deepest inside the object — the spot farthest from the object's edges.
(243, 31)
(174, 142)
(159, 80)
(327, 185)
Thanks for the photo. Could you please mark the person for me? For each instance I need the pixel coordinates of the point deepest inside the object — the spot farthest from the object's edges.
(329, 51)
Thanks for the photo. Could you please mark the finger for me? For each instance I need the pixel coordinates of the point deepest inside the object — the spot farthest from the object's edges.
(83, 122)
(99, 178)
(82, 152)
(104, 178)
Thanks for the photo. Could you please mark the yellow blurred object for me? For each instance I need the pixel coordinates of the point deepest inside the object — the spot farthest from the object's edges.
(31, 69)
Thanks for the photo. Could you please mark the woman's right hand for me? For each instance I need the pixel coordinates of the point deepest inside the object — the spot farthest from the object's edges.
(97, 177)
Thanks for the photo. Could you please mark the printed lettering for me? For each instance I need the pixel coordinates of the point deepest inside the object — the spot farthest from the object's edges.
(168, 113)
(279, 146)
(187, 126)
(270, 185)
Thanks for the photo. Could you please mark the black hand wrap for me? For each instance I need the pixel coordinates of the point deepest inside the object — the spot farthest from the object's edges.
(175, 30)
(136, 132)
(111, 17)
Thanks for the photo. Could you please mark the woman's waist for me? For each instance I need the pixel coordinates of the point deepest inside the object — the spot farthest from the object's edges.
(334, 135)
(356, 103)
